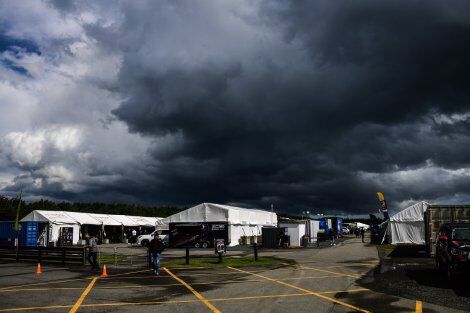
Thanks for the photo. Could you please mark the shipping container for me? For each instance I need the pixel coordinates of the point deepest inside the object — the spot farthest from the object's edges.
(436, 215)
(197, 234)
(28, 233)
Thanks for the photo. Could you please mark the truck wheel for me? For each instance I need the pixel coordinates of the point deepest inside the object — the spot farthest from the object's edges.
(197, 245)
(450, 274)
(144, 243)
(438, 265)
(205, 244)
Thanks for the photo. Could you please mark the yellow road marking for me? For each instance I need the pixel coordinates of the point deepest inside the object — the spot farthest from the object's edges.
(169, 285)
(165, 276)
(330, 272)
(326, 271)
(419, 307)
(176, 301)
(197, 294)
(190, 268)
(45, 283)
(133, 272)
(33, 308)
(83, 296)
(304, 290)
(313, 277)
(41, 289)
(68, 280)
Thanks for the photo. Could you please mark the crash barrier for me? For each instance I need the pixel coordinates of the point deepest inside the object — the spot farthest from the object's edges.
(64, 255)
(123, 256)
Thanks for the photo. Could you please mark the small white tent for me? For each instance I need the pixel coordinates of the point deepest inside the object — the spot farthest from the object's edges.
(407, 226)
(241, 221)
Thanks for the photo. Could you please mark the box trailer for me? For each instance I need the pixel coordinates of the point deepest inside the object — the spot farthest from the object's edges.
(199, 234)
(436, 215)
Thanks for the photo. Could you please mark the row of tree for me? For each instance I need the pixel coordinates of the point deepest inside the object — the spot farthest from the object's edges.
(8, 207)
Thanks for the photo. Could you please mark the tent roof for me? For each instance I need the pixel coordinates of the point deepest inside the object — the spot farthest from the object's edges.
(414, 213)
(212, 212)
(64, 217)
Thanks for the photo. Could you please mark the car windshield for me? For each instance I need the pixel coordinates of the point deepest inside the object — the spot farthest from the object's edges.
(461, 234)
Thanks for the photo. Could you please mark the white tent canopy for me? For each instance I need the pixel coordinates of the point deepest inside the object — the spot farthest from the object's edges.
(211, 212)
(241, 221)
(407, 226)
(80, 218)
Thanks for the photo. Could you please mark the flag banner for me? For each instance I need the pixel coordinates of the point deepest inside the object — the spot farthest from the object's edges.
(17, 219)
(383, 205)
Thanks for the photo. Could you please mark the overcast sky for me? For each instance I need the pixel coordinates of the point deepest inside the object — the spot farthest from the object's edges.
(304, 104)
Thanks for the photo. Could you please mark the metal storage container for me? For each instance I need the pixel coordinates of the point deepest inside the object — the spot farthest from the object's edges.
(27, 234)
(436, 215)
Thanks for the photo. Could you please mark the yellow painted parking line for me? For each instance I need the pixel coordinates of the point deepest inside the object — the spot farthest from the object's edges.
(313, 293)
(190, 268)
(46, 283)
(133, 286)
(68, 280)
(419, 307)
(175, 301)
(315, 277)
(327, 271)
(40, 289)
(351, 264)
(344, 291)
(35, 308)
(197, 294)
(166, 276)
(133, 272)
(83, 296)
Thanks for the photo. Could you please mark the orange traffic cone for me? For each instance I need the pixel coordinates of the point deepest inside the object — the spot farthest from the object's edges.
(39, 269)
(105, 272)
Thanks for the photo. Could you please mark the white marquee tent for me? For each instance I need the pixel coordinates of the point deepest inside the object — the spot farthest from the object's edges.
(75, 220)
(241, 221)
(407, 226)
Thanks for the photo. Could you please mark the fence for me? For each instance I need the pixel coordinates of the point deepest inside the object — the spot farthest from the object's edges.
(123, 256)
(64, 255)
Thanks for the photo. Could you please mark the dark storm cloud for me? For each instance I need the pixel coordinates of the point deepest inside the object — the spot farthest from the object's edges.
(350, 88)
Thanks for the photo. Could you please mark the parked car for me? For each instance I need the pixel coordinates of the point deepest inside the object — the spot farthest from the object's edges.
(144, 240)
(345, 231)
(453, 249)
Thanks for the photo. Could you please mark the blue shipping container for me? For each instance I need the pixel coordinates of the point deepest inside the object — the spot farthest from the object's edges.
(27, 234)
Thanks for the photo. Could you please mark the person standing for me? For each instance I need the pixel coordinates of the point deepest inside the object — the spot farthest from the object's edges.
(332, 237)
(93, 252)
(362, 233)
(156, 247)
(134, 236)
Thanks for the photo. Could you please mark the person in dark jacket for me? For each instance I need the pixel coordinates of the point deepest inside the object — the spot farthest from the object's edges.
(156, 247)
(93, 252)
(362, 233)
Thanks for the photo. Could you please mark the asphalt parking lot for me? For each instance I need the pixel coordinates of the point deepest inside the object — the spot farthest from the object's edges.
(311, 280)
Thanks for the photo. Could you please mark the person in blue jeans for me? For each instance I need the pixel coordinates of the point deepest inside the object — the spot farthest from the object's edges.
(156, 247)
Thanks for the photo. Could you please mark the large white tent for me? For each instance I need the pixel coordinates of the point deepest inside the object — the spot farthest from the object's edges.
(241, 221)
(74, 220)
(407, 226)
